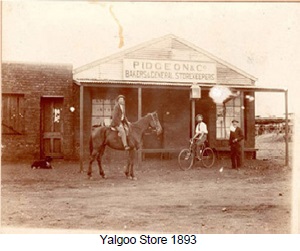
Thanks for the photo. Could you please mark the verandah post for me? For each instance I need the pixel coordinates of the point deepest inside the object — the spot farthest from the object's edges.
(193, 117)
(81, 128)
(139, 117)
(243, 125)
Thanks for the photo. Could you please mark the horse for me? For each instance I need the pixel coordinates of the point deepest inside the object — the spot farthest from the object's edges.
(105, 136)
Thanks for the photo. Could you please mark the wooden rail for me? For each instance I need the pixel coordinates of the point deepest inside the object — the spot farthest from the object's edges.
(167, 151)
(162, 151)
(227, 149)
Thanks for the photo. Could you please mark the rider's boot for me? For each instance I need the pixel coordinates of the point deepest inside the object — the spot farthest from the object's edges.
(124, 141)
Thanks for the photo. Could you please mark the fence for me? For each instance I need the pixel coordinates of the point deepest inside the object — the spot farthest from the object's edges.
(272, 146)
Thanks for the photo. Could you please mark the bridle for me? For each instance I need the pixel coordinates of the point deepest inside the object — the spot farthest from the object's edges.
(154, 118)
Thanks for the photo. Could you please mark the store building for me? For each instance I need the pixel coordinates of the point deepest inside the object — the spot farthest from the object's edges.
(157, 76)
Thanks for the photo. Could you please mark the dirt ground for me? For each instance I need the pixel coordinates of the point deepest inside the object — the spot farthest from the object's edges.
(164, 199)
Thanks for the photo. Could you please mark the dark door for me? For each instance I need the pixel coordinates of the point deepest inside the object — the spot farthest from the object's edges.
(51, 127)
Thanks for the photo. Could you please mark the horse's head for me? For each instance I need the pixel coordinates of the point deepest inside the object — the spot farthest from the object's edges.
(155, 123)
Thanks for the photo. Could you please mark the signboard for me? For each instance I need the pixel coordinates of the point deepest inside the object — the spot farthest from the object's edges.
(169, 71)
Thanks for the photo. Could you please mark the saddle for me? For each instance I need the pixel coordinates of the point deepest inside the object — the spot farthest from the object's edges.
(126, 128)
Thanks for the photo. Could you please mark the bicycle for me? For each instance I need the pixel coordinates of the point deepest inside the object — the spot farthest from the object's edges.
(187, 156)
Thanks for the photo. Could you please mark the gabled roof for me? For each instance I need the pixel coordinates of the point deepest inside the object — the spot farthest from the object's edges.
(157, 40)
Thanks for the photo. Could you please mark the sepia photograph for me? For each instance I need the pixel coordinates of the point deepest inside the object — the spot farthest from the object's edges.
(149, 117)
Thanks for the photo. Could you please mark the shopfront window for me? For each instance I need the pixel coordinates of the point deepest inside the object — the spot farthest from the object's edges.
(102, 111)
(226, 112)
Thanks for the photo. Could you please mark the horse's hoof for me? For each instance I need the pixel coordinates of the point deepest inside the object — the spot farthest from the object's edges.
(129, 177)
(104, 177)
(134, 178)
(90, 177)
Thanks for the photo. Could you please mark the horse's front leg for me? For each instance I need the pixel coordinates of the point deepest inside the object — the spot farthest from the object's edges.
(127, 169)
(131, 164)
(99, 158)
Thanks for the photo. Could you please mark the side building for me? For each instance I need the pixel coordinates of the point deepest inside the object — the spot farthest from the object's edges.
(36, 117)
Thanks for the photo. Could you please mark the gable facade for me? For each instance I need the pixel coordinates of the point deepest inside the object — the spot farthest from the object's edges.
(166, 49)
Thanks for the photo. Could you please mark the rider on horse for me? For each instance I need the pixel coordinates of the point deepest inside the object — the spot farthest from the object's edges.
(119, 119)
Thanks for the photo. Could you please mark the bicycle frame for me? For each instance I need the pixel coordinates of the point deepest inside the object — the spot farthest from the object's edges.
(194, 148)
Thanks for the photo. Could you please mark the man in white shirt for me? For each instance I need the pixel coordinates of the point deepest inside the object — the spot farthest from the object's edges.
(200, 131)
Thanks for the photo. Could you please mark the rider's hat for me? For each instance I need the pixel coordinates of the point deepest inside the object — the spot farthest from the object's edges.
(120, 96)
(234, 121)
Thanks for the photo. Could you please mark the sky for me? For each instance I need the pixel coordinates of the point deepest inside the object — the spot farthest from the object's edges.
(262, 39)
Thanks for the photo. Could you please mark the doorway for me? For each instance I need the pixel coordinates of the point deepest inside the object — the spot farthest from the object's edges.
(51, 127)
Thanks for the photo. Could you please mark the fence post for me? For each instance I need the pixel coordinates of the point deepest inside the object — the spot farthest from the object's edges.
(286, 129)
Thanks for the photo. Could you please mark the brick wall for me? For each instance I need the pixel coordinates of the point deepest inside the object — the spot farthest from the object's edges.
(35, 81)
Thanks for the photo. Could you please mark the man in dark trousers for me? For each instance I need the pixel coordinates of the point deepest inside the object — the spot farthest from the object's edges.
(236, 136)
(119, 119)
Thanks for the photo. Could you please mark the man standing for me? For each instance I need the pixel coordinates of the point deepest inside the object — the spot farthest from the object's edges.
(236, 136)
(119, 119)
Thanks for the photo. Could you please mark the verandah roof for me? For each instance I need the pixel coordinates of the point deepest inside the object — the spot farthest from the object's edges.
(116, 83)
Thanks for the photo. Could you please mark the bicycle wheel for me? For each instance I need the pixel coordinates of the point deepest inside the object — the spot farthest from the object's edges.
(185, 159)
(208, 157)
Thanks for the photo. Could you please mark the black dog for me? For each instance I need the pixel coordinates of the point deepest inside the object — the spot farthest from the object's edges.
(43, 164)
